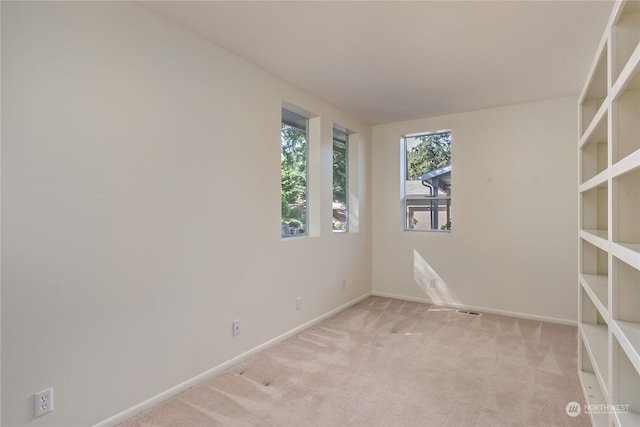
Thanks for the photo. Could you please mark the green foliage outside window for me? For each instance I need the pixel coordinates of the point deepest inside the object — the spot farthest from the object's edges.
(293, 169)
(339, 172)
(433, 152)
(340, 208)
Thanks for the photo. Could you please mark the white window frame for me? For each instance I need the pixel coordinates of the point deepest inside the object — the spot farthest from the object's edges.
(413, 202)
(340, 135)
(299, 121)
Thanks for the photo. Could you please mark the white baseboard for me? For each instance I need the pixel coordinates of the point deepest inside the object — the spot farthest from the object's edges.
(165, 395)
(482, 309)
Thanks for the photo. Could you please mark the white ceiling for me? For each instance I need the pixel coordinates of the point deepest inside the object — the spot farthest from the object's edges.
(386, 61)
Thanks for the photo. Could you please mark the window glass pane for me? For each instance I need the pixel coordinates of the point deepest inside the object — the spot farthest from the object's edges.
(293, 174)
(427, 181)
(340, 215)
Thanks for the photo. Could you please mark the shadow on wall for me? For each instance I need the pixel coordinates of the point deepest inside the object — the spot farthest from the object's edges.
(431, 283)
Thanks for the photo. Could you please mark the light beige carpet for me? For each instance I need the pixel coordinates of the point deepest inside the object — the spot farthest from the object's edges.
(386, 362)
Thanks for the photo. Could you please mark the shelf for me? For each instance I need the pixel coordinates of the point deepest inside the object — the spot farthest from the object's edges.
(595, 92)
(628, 76)
(598, 289)
(593, 396)
(629, 253)
(626, 314)
(596, 344)
(594, 262)
(596, 131)
(594, 148)
(628, 335)
(626, 36)
(589, 365)
(626, 165)
(626, 210)
(625, 124)
(626, 284)
(625, 387)
(594, 212)
(598, 238)
(596, 181)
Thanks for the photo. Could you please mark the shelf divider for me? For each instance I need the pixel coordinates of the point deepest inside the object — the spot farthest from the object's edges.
(625, 77)
(596, 286)
(627, 252)
(596, 181)
(596, 339)
(598, 238)
(628, 164)
(594, 396)
(628, 335)
(595, 122)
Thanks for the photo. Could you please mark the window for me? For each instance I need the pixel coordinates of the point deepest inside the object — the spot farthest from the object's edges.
(426, 201)
(294, 173)
(340, 208)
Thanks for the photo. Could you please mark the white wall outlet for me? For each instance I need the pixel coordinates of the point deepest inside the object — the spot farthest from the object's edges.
(432, 283)
(235, 328)
(298, 303)
(43, 402)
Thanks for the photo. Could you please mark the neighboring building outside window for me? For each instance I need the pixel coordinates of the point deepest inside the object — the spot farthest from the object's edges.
(294, 174)
(340, 205)
(426, 201)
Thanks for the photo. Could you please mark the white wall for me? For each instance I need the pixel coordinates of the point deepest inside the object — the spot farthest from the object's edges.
(513, 246)
(141, 210)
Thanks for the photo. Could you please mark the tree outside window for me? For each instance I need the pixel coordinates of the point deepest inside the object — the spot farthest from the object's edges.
(427, 181)
(293, 174)
(340, 208)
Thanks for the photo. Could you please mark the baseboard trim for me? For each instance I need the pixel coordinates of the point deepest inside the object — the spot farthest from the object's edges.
(173, 391)
(482, 309)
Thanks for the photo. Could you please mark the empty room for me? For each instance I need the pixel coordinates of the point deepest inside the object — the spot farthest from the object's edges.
(320, 213)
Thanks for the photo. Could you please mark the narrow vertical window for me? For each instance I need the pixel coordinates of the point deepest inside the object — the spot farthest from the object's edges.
(427, 181)
(294, 174)
(340, 208)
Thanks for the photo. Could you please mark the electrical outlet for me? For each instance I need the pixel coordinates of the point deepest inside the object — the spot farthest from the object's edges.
(43, 402)
(432, 283)
(235, 328)
(298, 303)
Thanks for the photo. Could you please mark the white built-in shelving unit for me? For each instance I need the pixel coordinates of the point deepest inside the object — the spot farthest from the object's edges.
(609, 235)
